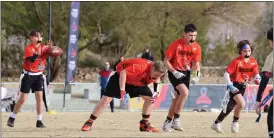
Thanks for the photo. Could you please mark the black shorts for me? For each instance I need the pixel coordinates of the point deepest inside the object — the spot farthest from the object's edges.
(31, 82)
(113, 89)
(174, 81)
(241, 87)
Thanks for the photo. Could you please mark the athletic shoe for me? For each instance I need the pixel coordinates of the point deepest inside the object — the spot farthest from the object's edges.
(11, 122)
(235, 127)
(217, 127)
(167, 126)
(176, 125)
(87, 126)
(146, 127)
(39, 124)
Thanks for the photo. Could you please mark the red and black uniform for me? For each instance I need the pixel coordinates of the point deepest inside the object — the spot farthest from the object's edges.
(181, 56)
(137, 78)
(241, 72)
(34, 65)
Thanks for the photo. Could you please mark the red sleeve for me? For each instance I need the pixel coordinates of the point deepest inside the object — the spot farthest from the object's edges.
(256, 68)
(231, 68)
(28, 52)
(198, 55)
(169, 53)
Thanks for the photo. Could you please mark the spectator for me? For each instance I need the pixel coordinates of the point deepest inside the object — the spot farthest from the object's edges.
(147, 54)
(104, 77)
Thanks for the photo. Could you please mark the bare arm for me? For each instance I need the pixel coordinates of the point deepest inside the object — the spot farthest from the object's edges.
(122, 80)
(168, 65)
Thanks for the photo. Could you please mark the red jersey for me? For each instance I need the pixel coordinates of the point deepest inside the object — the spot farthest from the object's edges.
(138, 71)
(182, 55)
(40, 63)
(240, 70)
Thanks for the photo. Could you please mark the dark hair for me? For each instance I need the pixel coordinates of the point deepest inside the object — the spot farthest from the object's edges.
(190, 28)
(36, 32)
(243, 43)
(270, 34)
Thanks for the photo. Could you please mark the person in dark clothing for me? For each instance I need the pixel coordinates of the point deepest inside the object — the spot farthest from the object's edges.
(104, 77)
(120, 60)
(267, 72)
(147, 54)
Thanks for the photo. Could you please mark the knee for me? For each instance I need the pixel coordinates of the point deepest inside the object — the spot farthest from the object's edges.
(106, 100)
(241, 105)
(22, 100)
(184, 94)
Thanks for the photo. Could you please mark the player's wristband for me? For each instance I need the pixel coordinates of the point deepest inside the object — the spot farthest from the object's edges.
(33, 58)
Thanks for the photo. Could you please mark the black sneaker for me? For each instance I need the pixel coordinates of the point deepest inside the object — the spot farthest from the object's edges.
(11, 122)
(39, 124)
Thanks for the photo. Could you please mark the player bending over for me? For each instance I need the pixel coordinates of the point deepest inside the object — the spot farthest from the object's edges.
(132, 77)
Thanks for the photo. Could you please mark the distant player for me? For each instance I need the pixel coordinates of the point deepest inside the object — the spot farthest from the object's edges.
(238, 73)
(179, 57)
(132, 77)
(104, 78)
(34, 65)
(267, 72)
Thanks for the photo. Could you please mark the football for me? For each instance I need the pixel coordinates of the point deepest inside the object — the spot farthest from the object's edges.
(54, 51)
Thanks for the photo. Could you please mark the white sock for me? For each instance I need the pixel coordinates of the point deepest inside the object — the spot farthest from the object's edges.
(39, 117)
(13, 115)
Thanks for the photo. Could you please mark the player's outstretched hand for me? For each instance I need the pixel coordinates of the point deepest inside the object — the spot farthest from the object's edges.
(50, 43)
(154, 97)
(178, 74)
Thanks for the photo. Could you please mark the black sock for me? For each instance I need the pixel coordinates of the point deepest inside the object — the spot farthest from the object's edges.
(217, 121)
(221, 117)
(176, 116)
(145, 117)
(235, 119)
(168, 119)
(92, 117)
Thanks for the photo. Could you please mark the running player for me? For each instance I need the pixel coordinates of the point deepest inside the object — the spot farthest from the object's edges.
(132, 77)
(266, 74)
(32, 76)
(179, 57)
(238, 73)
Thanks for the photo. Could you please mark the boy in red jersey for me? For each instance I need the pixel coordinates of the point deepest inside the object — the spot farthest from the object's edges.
(32, 76)
(179, 57)
(132, 77)
(238, 73)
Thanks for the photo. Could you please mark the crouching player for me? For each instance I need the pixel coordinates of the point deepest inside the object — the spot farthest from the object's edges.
(237, 74)
(132, 77)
